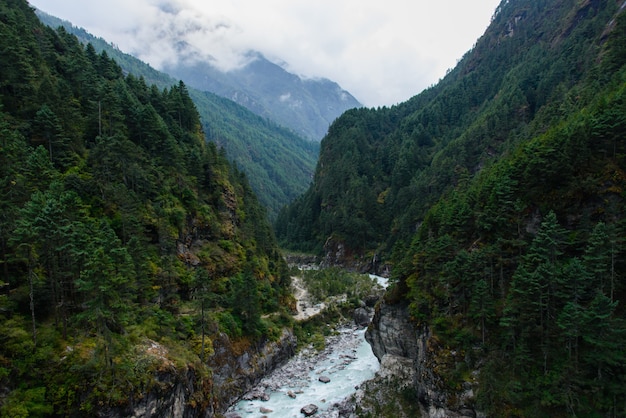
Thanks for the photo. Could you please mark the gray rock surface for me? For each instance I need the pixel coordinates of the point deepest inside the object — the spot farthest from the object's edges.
(324, 379)
(309, 410)
(392, 333)
(362, 316)
(412, 356)
(233, 376)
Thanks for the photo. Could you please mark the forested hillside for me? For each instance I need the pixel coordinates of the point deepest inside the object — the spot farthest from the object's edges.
(279, 163)
(128, 242)
(304, 106)
(381, 169)
(498, 197)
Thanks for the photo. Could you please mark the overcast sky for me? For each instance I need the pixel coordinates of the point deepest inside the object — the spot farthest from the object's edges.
(383, 51)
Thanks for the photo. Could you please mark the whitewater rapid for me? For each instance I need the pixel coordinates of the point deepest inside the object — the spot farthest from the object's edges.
(347, 361)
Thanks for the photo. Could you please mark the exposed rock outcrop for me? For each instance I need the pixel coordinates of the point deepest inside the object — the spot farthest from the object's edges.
(182, 393)
(392, 333)
(361, 317)
(337, 253)
(169, 398)
(434, 393)
(399, 345)
(234, 374)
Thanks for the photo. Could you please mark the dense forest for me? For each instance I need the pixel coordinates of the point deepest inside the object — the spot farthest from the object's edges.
(498, 196)
(122, 230)
(278, 163)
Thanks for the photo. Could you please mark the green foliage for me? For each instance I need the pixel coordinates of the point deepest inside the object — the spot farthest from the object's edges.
(127, 240)
(380, 170)
(540, 285)
(498, 195)
(278, 163)
(334, 281)
(26, 403)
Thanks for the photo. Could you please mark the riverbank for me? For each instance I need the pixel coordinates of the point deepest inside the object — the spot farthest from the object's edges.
(325, 379)
(333, 360)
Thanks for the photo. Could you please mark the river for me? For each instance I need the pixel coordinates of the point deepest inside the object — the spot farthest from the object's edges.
(347, 361)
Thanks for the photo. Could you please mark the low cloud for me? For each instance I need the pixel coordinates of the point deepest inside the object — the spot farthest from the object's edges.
(382, 52)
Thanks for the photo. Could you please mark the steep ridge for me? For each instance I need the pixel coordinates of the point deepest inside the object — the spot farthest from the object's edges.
(139, 274)
(381, 169)
(497, 196)
(278, 162)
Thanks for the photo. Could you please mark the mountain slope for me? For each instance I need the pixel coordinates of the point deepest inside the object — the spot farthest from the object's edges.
(134, 257)
(308, 107)
(498, 197)
(395, 162)
(279, 164)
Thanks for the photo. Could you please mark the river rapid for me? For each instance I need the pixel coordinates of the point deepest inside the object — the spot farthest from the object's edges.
(344, 364)
(346, 361)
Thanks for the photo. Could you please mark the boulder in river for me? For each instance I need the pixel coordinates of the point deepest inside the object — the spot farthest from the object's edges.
(257, 393)
(362, 317)
(324, 379)
(310, 409)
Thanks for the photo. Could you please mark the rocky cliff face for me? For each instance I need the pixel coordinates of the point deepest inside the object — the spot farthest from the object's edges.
(236, 373)
(391, 333)
(336, 253)
(182, 393)
(399, 345)
(172, 396)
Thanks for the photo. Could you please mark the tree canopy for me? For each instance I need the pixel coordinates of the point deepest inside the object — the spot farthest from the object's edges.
(497, 196)
(120, 225)
(278, 162)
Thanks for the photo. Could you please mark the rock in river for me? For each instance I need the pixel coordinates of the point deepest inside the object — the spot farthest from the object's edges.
(324, 379)
(309, 410)
(362, 317)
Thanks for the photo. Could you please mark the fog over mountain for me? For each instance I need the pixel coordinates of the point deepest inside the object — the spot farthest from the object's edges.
(383, 53)
(307, 106)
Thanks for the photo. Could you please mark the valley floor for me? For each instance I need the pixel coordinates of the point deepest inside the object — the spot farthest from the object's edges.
(306, 308)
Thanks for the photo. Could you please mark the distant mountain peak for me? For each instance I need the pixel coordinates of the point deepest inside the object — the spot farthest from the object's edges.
(306, 105)
(200, 51)
(278, 163)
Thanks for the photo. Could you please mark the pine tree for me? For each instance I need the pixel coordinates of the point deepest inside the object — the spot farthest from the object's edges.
(574, 293)
(599, 258)
(481, 306)
(106, 284)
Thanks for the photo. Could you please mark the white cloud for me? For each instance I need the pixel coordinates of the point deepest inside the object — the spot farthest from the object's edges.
(382, 52)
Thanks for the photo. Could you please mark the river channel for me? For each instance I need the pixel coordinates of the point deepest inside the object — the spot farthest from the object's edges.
(345, 363)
